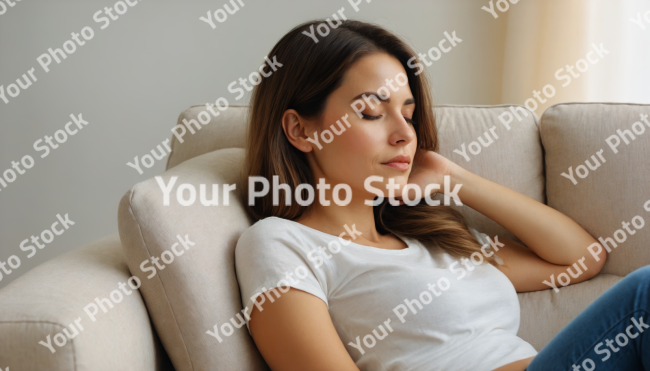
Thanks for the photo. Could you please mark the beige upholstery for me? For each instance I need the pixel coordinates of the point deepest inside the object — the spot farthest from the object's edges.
(52, 296)
(198, 290)
(544, 313)
(514, 159)
(228, 130)
(613, 193)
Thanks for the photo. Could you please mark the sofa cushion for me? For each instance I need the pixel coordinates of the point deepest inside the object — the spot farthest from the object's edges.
(544, 313)
(499, 143)
(592, 143)
(194, 290)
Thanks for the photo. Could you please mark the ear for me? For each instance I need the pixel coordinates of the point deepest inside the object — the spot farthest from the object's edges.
(296, 130)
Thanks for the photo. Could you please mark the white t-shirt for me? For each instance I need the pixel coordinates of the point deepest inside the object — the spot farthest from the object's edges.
(408, 309)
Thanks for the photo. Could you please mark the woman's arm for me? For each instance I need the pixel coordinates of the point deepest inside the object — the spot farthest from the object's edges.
(551, 235)
(529, 272)
(295, 332)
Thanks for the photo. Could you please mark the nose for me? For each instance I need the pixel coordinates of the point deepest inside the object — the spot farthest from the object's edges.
(401, 132)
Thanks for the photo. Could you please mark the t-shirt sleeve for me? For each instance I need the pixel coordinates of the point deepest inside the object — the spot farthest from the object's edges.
(483, 239)
(268, 258)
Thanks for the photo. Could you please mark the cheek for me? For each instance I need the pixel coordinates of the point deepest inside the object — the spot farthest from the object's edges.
(350, 157)
(361, 140)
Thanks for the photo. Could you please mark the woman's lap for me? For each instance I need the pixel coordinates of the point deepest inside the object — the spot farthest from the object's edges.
(612, 333)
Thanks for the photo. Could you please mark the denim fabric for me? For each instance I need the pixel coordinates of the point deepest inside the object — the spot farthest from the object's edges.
(610, 334)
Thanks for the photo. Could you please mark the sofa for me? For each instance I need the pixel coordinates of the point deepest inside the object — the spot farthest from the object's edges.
(107, 306)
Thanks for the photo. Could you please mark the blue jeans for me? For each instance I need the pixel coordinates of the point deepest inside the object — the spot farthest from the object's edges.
(612, 333)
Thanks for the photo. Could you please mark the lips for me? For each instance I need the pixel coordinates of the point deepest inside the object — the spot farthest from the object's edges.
(401, 162)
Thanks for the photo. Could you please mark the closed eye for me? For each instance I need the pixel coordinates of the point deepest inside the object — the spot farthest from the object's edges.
(370, 117)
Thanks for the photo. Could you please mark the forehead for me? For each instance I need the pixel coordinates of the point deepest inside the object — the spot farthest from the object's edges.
(371, 71)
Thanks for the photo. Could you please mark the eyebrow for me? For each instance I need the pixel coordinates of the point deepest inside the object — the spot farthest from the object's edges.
(368, 93)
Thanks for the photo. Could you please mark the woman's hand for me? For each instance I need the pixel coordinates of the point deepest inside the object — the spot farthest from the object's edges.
(428, 168)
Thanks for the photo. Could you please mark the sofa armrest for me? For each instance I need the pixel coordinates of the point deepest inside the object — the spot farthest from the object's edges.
(55, 304)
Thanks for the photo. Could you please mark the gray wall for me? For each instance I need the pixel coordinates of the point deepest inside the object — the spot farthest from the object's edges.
(131, 81)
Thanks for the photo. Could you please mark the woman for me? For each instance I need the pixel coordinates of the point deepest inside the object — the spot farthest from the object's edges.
(340, 284)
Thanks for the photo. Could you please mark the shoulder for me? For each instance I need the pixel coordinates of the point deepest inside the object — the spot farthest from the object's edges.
(268, 235)
(268, 227)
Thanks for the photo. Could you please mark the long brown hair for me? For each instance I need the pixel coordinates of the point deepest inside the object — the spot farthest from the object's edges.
(310, 72)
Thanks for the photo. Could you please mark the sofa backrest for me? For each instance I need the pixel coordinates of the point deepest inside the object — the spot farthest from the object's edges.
(598, 174)
(228, 130)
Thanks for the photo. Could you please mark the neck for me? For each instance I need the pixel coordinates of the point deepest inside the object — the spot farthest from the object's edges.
(332, 219)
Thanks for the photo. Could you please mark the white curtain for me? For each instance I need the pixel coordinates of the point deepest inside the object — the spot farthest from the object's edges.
(546, 35)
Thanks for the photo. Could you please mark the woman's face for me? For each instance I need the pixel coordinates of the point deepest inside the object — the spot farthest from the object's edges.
(380, 143)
